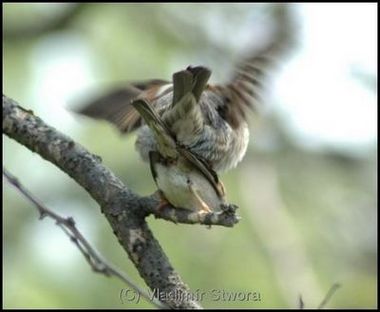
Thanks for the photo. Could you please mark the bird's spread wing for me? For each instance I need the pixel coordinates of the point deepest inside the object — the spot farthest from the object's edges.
(116, 107)
(246, 89)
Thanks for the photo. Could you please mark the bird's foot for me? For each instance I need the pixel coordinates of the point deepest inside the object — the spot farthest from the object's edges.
(163, 202)
(229, 208)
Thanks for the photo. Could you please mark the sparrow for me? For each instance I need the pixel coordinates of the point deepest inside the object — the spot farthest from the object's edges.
(216, 130)
(183, 179)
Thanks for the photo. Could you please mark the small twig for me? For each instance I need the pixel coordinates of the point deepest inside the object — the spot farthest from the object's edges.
(301, 303)
(329, 294)
(96, 262)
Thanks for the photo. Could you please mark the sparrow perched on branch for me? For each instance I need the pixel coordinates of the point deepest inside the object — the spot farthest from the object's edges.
(183, 179)
(215, 130)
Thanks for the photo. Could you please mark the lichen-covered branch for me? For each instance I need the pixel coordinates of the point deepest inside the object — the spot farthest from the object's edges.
(123, 209)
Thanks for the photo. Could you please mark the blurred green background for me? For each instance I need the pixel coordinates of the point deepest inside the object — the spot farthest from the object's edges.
(307, 188)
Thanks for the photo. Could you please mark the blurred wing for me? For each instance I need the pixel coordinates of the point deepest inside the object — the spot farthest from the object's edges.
(115, 107)
(245, 90)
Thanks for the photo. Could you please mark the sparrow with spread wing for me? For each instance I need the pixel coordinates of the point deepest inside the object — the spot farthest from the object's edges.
(216, 130)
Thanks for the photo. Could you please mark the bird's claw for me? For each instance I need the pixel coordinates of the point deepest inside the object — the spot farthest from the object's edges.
(229, 208)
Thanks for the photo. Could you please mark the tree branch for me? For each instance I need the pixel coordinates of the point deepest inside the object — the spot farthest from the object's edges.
(328, 296)
(124, 210)
(68, 226)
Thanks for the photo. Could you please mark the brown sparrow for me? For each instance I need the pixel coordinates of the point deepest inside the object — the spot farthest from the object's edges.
(215, 130)
(183, 179)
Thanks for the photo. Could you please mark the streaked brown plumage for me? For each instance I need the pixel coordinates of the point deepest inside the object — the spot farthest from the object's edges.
(183, 179)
